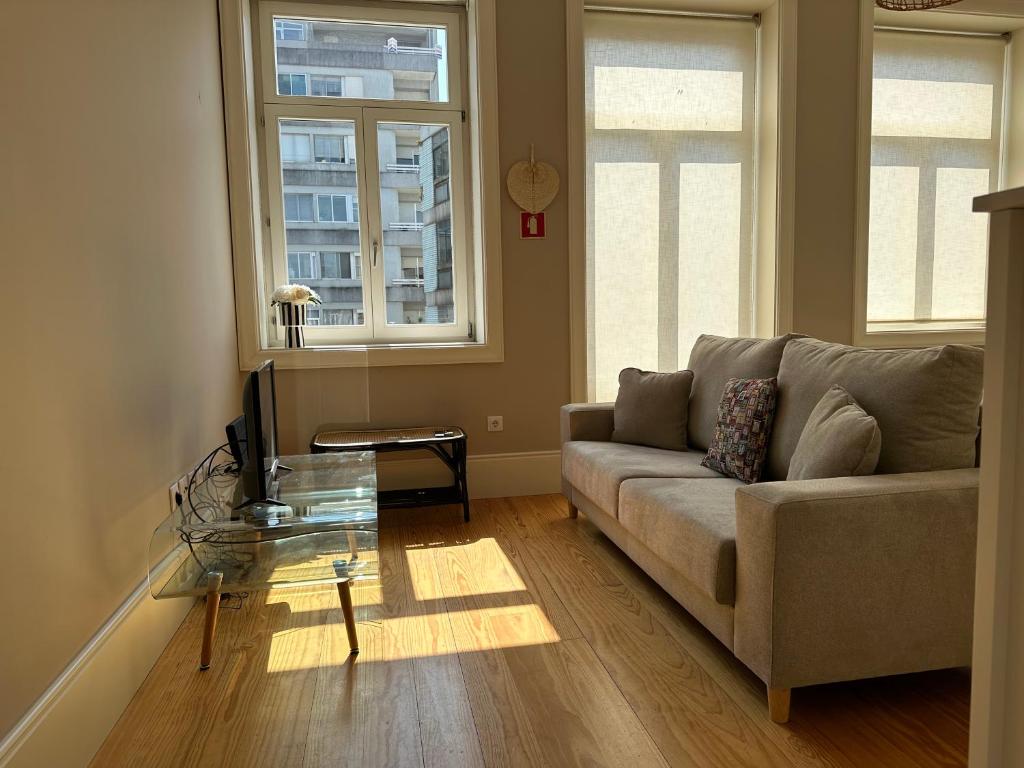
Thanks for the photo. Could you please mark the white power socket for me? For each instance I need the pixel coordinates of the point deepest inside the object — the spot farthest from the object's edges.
(495, 423)
(175, 490)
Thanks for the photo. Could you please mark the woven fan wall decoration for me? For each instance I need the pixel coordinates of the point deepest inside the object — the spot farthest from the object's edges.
(913, 5)
(532, 184)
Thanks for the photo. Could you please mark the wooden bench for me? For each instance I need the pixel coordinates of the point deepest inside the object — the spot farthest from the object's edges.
(447, 443)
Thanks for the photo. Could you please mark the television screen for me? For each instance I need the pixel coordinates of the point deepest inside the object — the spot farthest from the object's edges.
(259, 406)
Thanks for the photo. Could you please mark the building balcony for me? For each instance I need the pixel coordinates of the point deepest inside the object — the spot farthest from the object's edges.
(402, 168)
(332, 56)
(319, 175)
(405, 226)
(404, 293)
(411, 50)
(317, 236)
(408, 281)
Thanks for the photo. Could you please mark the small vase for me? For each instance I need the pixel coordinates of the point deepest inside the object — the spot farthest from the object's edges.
(292, 318)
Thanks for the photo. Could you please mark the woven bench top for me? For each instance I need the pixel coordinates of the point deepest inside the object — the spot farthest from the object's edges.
(347, 439)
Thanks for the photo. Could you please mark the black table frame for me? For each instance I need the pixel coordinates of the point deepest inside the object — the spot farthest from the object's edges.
(450, 449)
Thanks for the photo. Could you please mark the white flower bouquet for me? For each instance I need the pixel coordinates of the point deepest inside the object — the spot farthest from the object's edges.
(294, 294)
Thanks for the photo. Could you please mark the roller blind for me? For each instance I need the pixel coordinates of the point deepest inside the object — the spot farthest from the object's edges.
(669, 156)
(935, 144)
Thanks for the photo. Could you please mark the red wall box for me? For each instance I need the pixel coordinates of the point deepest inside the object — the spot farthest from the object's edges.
(531, 225)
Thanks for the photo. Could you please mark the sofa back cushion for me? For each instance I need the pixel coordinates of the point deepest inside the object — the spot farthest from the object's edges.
(716, 359)
(651, 408)
(926, 401)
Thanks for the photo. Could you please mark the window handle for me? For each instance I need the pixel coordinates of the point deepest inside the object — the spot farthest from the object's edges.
(374, 253)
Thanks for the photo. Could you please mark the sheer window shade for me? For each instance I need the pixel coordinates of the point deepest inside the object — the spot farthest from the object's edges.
(936, 132)
(670, 158)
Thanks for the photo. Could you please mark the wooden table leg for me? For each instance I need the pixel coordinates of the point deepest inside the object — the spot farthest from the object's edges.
(463, 485)
(345, 593)
(214, 579)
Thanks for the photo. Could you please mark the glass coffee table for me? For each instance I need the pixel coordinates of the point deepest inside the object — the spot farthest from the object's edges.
(326, 533)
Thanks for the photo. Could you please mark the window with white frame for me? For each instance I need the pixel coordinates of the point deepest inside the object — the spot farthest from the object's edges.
(669, 186)
(293, 84)
(326, 86)
(356, 121)
(936, 142)
(298, 207)
(295, 148)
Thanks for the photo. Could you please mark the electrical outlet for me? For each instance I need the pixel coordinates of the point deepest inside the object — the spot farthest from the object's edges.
(176, 492)
(495, 423)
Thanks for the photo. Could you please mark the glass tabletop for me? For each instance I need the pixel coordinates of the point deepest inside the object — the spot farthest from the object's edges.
(324, 531)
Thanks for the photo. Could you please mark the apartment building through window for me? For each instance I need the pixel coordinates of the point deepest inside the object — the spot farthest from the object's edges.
(366, 173)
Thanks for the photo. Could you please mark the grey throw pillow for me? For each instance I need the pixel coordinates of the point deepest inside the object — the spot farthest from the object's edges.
(651, 408)
(839, 440)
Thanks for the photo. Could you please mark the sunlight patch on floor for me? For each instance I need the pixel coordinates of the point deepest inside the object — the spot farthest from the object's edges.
(473, 568)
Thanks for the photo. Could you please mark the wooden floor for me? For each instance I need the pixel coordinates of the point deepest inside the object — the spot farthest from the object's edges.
(521, 638)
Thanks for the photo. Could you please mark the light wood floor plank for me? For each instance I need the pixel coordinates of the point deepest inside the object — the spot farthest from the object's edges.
(448, 733)
(692, 719)
(364, 704)
(521, 639)
(548, 515)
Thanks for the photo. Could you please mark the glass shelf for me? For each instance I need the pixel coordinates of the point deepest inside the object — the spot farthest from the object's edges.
(324, 532)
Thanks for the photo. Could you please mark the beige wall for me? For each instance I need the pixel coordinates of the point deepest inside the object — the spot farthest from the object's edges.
(528, 388)
(826, 169)
(119, 355)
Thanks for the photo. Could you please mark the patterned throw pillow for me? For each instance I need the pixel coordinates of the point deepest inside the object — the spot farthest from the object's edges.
(740, 443)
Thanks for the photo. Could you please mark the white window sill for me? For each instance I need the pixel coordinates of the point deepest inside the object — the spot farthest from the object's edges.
(359, 356)
(890, 336)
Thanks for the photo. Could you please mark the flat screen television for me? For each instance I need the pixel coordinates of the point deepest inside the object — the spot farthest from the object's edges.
(260, 459)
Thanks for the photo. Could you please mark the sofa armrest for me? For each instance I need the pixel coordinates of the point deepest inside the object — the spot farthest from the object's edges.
(587, 421)
(855, 577)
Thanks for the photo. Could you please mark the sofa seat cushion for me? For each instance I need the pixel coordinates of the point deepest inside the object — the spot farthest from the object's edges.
(690, 524)
(926, 401)
(597, 469)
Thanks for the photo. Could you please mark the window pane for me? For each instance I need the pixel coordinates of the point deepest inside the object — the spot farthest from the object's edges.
(328, 240)
(327, 149)
(298, 206)
(961, 245)
(326, 86)
(291, 85)
(289, 30)
(709, 251)
(669, 188)
(935, 145)
(295, 147)
(626, 225)
(325, 211)
(329, 265)
(366, 60)
(892, 243)
(417, 224)
(341, 208)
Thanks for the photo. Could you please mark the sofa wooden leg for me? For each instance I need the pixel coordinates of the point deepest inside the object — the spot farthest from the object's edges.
(574, 511)
(778, 704)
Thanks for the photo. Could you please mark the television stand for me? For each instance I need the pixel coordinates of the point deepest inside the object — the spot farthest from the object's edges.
(327, 536)
(447, 443)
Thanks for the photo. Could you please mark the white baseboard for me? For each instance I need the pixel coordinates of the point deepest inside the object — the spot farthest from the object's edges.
(490, 475)
(71, 719)
(69, 722)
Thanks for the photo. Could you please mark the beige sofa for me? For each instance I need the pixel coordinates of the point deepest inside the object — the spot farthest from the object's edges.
(809, 581)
